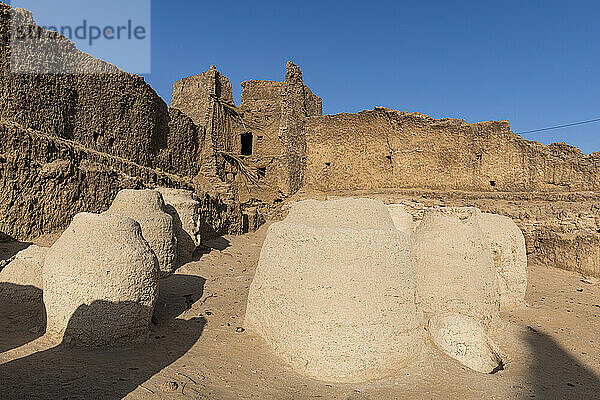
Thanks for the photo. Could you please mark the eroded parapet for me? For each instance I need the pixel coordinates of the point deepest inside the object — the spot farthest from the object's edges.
(254, 92)
(383, 149)
(195, 95)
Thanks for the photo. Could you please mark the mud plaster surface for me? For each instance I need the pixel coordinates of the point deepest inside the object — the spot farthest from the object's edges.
(225, 364)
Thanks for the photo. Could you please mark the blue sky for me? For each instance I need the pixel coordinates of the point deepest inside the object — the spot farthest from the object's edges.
(534, 63)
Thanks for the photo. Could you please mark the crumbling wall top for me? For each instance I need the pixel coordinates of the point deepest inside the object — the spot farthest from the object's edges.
(194, 95)
(253, 90)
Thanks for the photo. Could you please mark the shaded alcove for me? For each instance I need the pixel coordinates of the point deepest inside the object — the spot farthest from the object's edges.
(246, 142)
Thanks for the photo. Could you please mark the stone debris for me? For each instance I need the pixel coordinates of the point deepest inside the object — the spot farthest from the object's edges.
(455, 267)
(334, 292)
(403, 221)
(186, 213)
(510, 258)
(100, 282)
(21, 278)
(464, 339)
(147, 207)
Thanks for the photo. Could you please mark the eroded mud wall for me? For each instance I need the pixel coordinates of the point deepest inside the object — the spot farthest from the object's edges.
(45, 181)
(109, 111)
(386, 149)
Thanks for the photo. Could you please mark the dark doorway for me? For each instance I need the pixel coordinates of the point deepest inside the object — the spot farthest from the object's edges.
(246, 144)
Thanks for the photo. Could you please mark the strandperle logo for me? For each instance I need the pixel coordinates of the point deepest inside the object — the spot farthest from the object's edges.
(71, 36)
(85, 31)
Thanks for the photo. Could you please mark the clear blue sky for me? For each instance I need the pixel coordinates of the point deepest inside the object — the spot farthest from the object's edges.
(534, 63)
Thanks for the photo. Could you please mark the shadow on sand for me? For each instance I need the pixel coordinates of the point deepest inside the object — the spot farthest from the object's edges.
(10, 248)
(20, 322)
(555, 374)
(218, 243)
(65, 372)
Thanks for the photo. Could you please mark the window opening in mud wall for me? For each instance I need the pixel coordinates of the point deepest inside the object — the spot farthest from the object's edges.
(246, 144)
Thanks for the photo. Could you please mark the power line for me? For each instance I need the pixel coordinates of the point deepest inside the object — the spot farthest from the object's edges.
(560, 126)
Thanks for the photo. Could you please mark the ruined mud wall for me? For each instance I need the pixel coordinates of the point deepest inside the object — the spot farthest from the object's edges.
(298, 103)
(271, 113)
(195, 95)
(313, 104)
(261, 107)
(208, 99)
(274, 113)
(109, 111)
(182, 153)
(45, 181)
(551, 192)
(386, 149)
(258, 93)
(261, 110)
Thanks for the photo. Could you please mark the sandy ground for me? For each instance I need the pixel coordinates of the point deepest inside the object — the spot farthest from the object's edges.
(552, 347)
